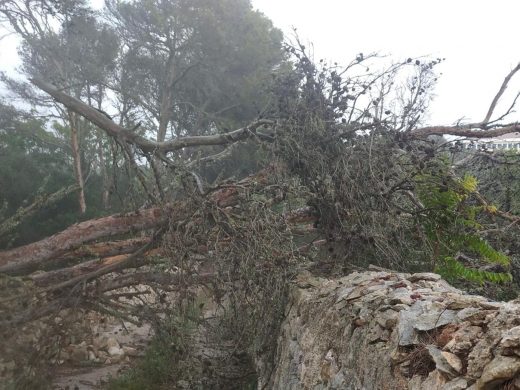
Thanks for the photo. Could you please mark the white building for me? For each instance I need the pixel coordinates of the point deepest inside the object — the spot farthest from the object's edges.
(509, 141)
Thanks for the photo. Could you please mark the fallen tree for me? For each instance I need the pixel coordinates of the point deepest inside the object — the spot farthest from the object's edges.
(368, 179)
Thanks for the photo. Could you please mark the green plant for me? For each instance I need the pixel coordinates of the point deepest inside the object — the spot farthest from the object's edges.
(452, 223)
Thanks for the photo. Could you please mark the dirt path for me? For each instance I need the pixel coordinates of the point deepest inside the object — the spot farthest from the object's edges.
(103, 363)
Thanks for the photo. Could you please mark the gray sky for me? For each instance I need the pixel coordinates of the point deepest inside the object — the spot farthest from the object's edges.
(480, 40)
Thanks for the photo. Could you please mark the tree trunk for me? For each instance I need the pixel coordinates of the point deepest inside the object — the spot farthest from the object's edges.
(76, 158)
(31, 256)
(384, 330)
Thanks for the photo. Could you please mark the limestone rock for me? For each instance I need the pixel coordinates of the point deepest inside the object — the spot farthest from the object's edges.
(78, 353)
(499, 370)
(424, 276)
(361, 331)
(130, 351)
(456, 384)
(446, 362)
(116, 352)
(111, 343)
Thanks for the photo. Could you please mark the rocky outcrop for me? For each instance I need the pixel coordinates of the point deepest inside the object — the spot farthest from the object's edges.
(383, 330)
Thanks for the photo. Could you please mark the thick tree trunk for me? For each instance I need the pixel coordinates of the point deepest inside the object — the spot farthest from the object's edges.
(31, 256)
(62, 274)
(383, 330)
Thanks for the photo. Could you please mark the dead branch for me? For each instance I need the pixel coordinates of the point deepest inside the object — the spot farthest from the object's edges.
(501, 91)
(39, 203)
(51, 277)
(465, 131)
(103, 249)
(146, 145)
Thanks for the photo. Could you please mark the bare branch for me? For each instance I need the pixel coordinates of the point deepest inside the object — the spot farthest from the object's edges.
(465, 131)
(501, 91)
(146, 145)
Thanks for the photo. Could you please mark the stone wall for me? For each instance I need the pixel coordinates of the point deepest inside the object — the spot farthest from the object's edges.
(382, 330)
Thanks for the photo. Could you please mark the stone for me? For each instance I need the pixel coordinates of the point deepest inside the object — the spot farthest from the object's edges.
(78, 353)
(111, 342)
(130, 351)
(456, 384)
(511, 338)
(446, 362)
(469, 337)
(428, 276)
(435, 381)
(466, 312)
(92, 356)
(115, 352)
(100, 342)
(432, 319)
(499, 370)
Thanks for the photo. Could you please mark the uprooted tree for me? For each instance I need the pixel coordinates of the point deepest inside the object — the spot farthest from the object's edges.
(349, 176)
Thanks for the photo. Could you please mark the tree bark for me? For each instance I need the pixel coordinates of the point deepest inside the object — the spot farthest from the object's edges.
(76, 159)
(53, 277)
(31, 256)
(146, 145)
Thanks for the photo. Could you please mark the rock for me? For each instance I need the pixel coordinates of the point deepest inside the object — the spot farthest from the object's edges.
(78, 353)
(367, 318)
(446, 362)
(456, 384)
(424, 276)
(116, 352)
(111, 342)
(511, 338)
(463, 339)
(435, 381)
(100, 342)
(182, 384)
(499, 370)
(92, 356)
(130, 351)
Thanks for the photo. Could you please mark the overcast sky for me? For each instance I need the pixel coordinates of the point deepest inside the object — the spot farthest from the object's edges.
(480, 40)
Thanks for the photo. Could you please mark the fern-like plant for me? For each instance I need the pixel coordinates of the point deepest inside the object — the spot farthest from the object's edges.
(451, 223)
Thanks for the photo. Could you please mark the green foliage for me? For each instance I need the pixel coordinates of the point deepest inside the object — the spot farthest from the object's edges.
(452, 225)
(453, 269)
(211, 60)
(34, 162)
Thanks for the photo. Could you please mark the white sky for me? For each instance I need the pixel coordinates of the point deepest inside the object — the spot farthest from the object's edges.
(480, 40)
